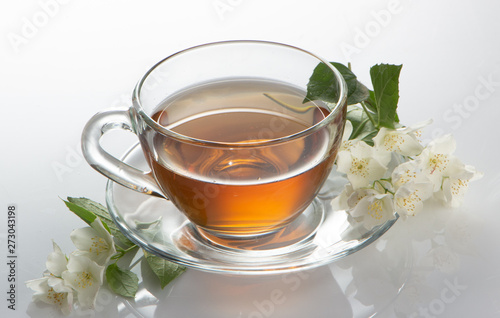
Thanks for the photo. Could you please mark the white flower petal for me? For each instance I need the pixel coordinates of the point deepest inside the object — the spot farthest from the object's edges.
(376, 169)
(444, 145)
(473, 173)
(410, 146)
(344, 159)
(52, 291)
(434, 163)
(416, 127)
(361, 149)
(82, 237)
(409, 198)
(101, 230)
(360, 164)
(94, 242)
(398, 141)
(56, 261)
(347, 143)
(359, 194)
(448, 174)
(374, 210)
(408, 171)
(454, 188)
(347, 131)
(340, 202)
(437, 162)
(86, 277)
(37, 285)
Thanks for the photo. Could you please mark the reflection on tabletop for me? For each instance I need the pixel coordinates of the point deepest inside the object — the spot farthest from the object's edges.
(412, 270)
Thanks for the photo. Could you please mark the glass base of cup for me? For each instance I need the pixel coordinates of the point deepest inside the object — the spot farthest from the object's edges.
(293, 236)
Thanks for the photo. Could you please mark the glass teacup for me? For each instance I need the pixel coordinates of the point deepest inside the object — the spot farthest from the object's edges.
(229, 136)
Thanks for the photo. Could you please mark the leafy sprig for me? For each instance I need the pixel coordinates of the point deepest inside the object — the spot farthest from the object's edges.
(368, 110)
(122, 281)
(388, 170)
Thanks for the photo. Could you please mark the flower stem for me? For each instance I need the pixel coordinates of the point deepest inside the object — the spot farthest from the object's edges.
(130, 248)
(368, 114)
(380, 183)
(121, 252)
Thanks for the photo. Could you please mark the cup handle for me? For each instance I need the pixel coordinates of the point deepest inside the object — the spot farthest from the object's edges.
(107, 164)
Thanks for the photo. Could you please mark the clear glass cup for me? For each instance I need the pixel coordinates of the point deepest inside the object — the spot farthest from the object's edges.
(229, 137)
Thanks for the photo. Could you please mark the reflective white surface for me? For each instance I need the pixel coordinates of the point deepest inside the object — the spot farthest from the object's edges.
(61, 62)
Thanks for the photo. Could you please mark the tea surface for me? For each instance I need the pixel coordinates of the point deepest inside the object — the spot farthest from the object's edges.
(237, 188)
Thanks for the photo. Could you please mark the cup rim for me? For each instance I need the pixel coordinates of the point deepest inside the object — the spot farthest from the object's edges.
(165, 131)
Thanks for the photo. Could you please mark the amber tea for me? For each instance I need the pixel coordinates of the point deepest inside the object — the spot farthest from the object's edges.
(230, 183)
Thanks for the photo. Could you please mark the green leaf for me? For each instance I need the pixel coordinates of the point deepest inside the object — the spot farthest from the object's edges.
(385, 81)
(323, 85)
(166, 271)
(99, 210)
(370, 102)
(360, 94)
(362, 127)
(123, 282)
(83, 213)
(89, 205)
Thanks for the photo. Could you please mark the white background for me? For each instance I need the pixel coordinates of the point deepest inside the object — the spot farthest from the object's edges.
(61, 62)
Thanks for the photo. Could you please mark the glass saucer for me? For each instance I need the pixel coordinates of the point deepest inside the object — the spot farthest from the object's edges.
(319, 236)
